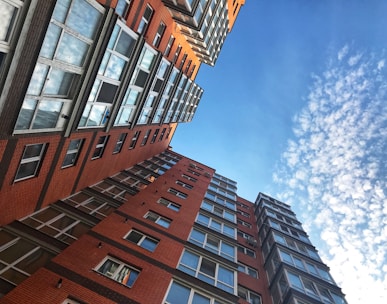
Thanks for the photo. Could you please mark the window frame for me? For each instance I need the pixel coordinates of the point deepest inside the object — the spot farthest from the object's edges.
(144, 22)
(118, 270)
(159, 34)
(167, 203)
(38, 158)
(100, 146)
(120, 143)
(158, 219)
(134, 140)
(143, 238)
(177, 193)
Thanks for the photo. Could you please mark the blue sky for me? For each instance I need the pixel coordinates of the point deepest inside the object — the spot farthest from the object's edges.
(296, 107)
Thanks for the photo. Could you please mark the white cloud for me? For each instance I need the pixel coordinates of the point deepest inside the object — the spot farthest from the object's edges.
(339, 187)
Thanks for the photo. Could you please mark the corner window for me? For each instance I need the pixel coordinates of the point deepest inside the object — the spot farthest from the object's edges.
(100, 147)
(142, 240)
(72, 153)
(118, 271)
(30, 162)
(158, 219)
(145, 19)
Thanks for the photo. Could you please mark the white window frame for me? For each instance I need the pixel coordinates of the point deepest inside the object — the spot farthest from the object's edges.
(184, 185)
(190, 178)
(111, 190)
(167, 203)
(120, 143)
(144, 22)
(156, 218)
(221, 224)
(168, 48)
(116, 272)
(38, 158)
(134, 140)
(101, 145)
(198, 272)
(248, 270)
(75, 150)
(215, 207)
(248, 294)
(177, 193)
(143, 238)
(159, 34)
(245, 251)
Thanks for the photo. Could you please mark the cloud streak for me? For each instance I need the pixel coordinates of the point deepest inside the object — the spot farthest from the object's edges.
(335, 171)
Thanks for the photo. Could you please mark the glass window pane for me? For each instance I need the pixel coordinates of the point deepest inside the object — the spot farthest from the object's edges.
(61, 9)
(108, 268)
(26, 114)
(149, 244)
(47, 115)
(125, 44)
(27, 169)
(59, 83)
(72, 50)
(134, 237)
(115, 67)
(83, 18)
(178, 294)
(17, 250)
(37, 80)
(14, 276)
(200, 299)
(50, 41)
(208, 267)
(34, 261)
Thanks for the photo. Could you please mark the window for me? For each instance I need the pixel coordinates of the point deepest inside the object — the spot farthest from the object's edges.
(218, 211)
(158, 219)
(184, 185)
(146, 136)
(57, 224)
(244, 235)
(155, 136)
(120, 143)
(118, 271)
(245, 214)
(145, 19)
(177, 53)
(162, 134)
(216, 225)
(177, 193)
(213, 244)
(9, 17)
(169, 45)
(90, 205)
(130, 180)
(122, 8)
(207, 270)
(100, 147)
(110, 74)
(134, 140)
(19, 258)
(243, 223)
(169, 204)
(112, 190)
(142, 240)
(221, 200)
(62, 58)
(246, 251)
(193, 172)
(159, 34)
(72, 153)
(190, 178)
(249, 296)
(248, 270)
(179, 293)
(30, 162)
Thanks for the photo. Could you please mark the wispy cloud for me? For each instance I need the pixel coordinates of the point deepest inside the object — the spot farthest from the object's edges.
(334, 172)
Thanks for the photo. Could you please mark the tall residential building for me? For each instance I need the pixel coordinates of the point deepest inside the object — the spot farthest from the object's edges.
(89, 87)
(166, 230)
